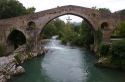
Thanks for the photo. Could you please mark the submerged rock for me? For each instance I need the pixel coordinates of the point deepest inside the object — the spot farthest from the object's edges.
(106, 62)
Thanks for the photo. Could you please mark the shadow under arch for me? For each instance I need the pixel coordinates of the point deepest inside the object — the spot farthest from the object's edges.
(104, 26)
(16, 38)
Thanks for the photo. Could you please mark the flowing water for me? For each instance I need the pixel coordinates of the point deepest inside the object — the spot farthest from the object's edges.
(67, 64)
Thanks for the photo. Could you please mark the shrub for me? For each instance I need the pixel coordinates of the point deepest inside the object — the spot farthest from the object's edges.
(104, 49)
(99, 35)
(2, 49)
(17, 58)
(118, 49)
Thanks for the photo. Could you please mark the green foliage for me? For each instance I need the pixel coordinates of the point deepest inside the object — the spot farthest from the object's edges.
(54, 27)
(2, 49)
(75, 34)
(120, 31)
(85, 31)
(104, 10)
(68, 33)
(78, 34)
(30, 10)
(118, 49)
(93, 14)
(118, 53)
(122, 12)
(104, 49)
(12, 8)
(98, 35)
(17, 58)
(30, 55)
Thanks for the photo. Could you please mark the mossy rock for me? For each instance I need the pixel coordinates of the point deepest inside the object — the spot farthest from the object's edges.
(2, 50)
(30, 55)
(17, 59)
(105, 60)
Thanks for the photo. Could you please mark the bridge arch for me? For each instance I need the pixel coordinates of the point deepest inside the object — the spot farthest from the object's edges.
(85, 19)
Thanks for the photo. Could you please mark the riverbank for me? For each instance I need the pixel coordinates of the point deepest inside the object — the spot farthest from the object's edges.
(64, 63)
(106, 62)
(11, 65)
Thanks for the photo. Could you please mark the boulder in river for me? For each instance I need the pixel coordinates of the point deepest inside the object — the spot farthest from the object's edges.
(3, 78)
(19, 70)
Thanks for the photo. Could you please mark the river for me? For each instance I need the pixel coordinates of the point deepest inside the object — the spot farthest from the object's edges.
(67, 64)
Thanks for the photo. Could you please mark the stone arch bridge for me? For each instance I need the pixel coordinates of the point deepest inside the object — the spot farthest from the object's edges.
(104, 21)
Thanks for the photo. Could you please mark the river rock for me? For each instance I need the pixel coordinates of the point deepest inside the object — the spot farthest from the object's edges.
(8, 77)
(19, 70)
(3, 78)
(12, 70)
(106, 62)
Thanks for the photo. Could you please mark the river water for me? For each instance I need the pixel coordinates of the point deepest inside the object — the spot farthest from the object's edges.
(67, 64)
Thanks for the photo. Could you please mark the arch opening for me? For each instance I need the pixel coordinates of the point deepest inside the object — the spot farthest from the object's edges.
(85, 22)
(31, 25)
(16, 38)
(74, 14)
(104, 26)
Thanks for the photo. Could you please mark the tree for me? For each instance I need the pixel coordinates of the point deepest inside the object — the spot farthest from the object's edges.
(86, 35)
(121, 12)
(68, 34)
(120, 31)
(59, 26)
(12, 8)
(49, 30)
(30, 10)
(54, 27)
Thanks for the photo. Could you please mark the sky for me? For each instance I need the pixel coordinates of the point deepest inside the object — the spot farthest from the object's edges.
(40, 5)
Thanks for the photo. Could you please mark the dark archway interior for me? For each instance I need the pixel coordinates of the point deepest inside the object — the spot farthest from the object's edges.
(16, 38)
(31, 25)
(104, 26)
